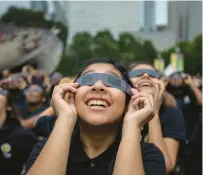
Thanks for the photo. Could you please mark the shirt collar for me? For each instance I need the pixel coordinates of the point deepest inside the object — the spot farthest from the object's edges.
(77, 153)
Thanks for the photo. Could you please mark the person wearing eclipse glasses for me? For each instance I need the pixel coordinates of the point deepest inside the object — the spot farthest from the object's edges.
(167, 128)
(98, 126)
(15, 142)
(34, 98)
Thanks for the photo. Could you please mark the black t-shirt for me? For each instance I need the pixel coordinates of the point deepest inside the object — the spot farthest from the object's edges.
(15, 146)
(172, 124)
(44, 126)
(80, 164)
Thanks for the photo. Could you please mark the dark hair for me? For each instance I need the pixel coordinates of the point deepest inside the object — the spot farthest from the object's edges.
(123, 71)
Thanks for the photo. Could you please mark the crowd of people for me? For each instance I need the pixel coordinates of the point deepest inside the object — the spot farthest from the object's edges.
(107, 119)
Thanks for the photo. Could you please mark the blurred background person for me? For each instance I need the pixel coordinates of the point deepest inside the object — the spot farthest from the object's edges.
(15, 142)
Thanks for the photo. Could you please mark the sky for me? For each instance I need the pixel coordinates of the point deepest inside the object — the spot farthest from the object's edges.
(161, 9)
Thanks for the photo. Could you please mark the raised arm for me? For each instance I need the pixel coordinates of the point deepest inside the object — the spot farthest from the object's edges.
(54, 156)
(194, 88)
(129, 157)
(168, 146)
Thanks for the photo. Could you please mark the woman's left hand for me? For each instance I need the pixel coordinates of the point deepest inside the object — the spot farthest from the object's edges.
(140, 109)
(159, 94)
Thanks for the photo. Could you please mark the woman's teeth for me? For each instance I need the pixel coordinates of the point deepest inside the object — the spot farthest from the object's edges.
(97, 103)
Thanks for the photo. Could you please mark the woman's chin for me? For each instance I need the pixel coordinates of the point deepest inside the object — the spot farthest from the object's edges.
(96, 120)
(150, 91)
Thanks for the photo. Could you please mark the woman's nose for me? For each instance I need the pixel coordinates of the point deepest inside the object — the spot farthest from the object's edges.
(99, 86)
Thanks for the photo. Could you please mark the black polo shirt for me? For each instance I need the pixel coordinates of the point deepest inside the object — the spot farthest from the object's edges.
(80, 164)
(15, 146)
(172, 124)
(44, 126)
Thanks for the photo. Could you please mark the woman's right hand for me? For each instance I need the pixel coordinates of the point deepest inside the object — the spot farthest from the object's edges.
(140, 109)
(63, 102)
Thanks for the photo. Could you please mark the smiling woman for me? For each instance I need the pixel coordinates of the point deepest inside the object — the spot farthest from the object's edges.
(167, 128)
(108, 130)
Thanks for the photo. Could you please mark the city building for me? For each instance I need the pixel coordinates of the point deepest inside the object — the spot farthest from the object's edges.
(162, 40)
(54, 10)
(93, 16)
(149, 16)
(39, 6)
(185, 19)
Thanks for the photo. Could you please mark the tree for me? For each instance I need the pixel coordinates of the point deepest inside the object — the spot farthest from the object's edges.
(105, 45)
(192, 52)
(149, 52)
(128, 45)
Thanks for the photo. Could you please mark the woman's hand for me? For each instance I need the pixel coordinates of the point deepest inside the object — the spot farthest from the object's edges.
(188, 80)
(140, 109)
(63, 102)
(159, 94)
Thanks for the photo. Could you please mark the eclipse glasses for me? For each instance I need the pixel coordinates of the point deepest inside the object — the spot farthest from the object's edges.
(140, 72)
(108, 80)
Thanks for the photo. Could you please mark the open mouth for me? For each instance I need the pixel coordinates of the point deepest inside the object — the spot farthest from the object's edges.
(97, 104)
(145, 84)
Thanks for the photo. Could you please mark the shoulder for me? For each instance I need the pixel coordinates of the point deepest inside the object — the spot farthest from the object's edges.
(44, 126)
(23, 134)
(173, 123)
(153, 159)
(172, 114)
(170, 110)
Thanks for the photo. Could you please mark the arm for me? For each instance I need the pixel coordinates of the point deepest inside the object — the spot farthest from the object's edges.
(197, 93)
(168, 146)
(130, 151)
(54, 156)
(28, 123)
(155, 131)
(169, 100)
(194, 88)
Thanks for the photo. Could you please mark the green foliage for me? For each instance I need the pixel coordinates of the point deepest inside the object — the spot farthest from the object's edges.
(192, 52)
(126, 49)
(105, 45)
(29, 18)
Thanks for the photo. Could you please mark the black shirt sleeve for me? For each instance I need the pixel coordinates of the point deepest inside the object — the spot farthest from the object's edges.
(34, 154)
(173, 124)
(44, 126)
(153, 160)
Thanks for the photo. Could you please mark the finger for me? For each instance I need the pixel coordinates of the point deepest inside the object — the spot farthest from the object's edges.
(162, 89)
(150, 97)
(134, 91)
(66, 85)
(156, 95)
(65, 89)
(59, 92)
(72, 98)
(141, 102)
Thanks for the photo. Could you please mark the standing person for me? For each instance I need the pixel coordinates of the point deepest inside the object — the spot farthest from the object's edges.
(15, 142)
(166, 129)
(98, 103)
(189, 100)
